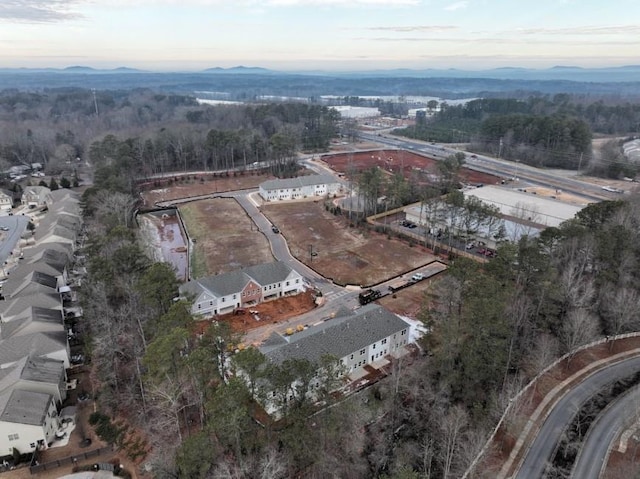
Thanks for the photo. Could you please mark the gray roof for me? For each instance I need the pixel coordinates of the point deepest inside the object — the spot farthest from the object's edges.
(34, 344)
(24, 269)
(16, 306)
(64, 248)
(298, 182)
(235, 281)
(44, 319)
(55, 230)
(65, 220)
(16, 283)
(29, 289)
(43, 370)
(50, 256)
(25, 407)
(338, 337)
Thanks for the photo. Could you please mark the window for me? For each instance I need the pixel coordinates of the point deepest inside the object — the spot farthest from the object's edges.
(404, 331)
(362, 352)
(13, 437)
(234, 296)
(223, 300)
(374, 345)
(297, 281)
(32, 445)
(351, 357)
(384, 341)
(287, 283)
(210, 303)
(199, 306)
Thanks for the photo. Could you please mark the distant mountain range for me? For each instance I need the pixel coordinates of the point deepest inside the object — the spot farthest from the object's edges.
(625, 73)
(247, 82)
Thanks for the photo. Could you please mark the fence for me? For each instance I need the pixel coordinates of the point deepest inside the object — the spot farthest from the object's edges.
(69, 460)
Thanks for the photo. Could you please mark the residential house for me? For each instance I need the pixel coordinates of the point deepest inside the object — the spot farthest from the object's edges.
(52, 345)
(25, 269)
(6, 200)
(39, 375)
(223, 293)
(15, 307)
(56, 234)
(33, 282)
(355, 339)
(299, 187)
(55, 259)
(36, 196)
(33, 320)
(28, 421)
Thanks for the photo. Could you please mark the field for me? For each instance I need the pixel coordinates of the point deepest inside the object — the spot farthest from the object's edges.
(194, 185)
(398, 160)
(344, 254)
(225, 237)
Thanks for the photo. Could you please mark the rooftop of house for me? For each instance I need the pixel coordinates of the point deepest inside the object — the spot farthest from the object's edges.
(17, 283)
(25, 407)
(34, 344)
(233, 282)
(16, 306)
(298, 182)
(336, 337)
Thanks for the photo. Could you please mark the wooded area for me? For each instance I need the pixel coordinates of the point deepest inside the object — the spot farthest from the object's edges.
(553, 132)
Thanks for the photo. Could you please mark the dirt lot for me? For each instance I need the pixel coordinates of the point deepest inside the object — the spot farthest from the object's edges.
(194, 185)
(398, 160)
(344, 254)
(409, 301)
(270, 312)
(226, 238)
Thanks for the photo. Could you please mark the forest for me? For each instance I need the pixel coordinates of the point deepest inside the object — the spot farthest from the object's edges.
(542, 131)
(141, 133)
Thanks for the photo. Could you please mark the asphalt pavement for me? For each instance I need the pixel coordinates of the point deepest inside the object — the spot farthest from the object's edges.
(602, 434)
(546, 441)
(17, 225)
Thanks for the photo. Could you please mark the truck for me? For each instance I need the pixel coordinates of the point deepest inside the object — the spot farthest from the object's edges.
(369, 295)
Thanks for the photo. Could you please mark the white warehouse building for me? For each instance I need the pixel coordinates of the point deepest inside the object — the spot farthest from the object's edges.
(300, 187)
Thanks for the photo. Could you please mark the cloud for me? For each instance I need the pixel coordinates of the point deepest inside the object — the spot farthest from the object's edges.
(264, 3)
(349, 3)
(584, 30)
(37, 11)
(416, 28)
(456, 6)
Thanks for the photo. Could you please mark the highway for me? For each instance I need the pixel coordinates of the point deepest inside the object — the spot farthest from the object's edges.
(619, 414)
(495, 166)
(546, 441)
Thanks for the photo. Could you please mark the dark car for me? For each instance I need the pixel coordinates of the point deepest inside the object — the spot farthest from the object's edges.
(275, 229)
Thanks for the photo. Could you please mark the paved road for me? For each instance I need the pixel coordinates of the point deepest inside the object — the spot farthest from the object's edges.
(549, 435)
(17, 225)
(602, 434)
(502, 168)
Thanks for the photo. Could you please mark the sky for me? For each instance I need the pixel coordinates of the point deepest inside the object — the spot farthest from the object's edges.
(191, 35)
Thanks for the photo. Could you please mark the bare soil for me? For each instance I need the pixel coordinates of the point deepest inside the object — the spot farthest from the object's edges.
(344, 254)
(504, 441)
(393, 161)
(185, 186)
(270, 312)
(226, 238)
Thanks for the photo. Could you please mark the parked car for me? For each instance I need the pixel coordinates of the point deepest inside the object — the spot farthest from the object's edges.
(417, 277)
(481, 251)
(4, 228)
(275, 229)
(470, 245)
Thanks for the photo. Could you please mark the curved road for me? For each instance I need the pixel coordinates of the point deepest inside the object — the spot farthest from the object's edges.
(549, 435)
(603, 432)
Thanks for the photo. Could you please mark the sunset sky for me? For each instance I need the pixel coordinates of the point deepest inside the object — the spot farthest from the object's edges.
(319, 34)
